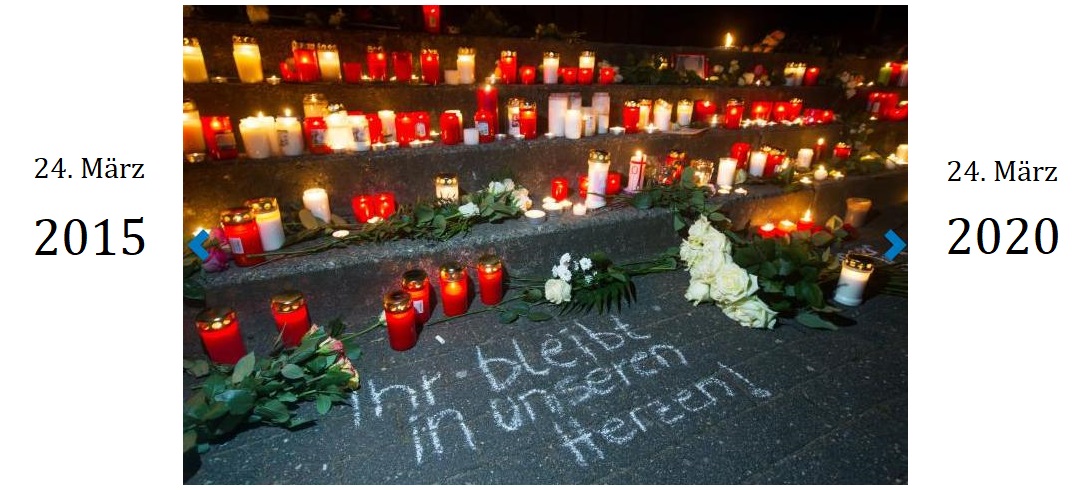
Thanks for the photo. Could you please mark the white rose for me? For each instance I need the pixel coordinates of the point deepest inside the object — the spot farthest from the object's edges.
(689, 251)
(715, 241)
(752, 313)
(699, 229)
(585, 263)
(697, 292)
(558, 291)
(495, 188)
(706, 266)
(469, 209)
(524, 203)
(566, 259)
(509, 185)
(732, 284)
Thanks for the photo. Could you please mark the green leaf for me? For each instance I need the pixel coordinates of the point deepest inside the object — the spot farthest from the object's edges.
(821, 238)
(767, 270)
(642, 201)
(215, 411)
(238, 401)
(810, 293)
(292, 371)
(439, 222)
(717, 217)
(424, 213)
(299, 421)
(308, 220)
(197, 368)
(195, 406)
(273, 410)
(338, 220)
(243, 368)
(538, 316)
(189, 440)
(287, 397)
(508, 316)
(679, 223)
(785, 267)
(352, 351)
(323, 404)
(533, 295)
(811, 320)
(193, 290)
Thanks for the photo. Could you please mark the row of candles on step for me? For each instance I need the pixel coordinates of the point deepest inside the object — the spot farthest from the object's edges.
(324, 131)
(886, 106)
(406, 310)
(314, 62)
(893, 74)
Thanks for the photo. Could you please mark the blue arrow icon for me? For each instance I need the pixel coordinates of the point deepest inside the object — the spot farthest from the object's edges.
(198, 245)
(897, 245)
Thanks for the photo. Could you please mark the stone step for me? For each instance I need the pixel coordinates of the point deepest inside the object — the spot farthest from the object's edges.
(349, 282)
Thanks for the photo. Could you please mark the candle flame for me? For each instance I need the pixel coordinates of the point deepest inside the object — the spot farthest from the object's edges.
(288, 113)
(820, 142)
(639, 154)
(807, 215)
(768, 226)
(728, 40)
(261, 114)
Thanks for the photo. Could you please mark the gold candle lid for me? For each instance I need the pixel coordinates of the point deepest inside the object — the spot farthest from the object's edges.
(235, 216)
(662, 103)
(425, 51)
(527, 105)
(262, 205)
(314, 98)
(490, 263)
(243, 40)
(859, 262)
(452, 271)
(796, 101)
(188, 105)
(302, 45)
(735, 102)
(645, 102)
(375, 49)
(414, 279)
(466, 51)
(191, 41)
(587, 53)
(327, 47)
(447, 179)
(288, 301)
(550, 54)
(599, 156)
(685, 102)
(397, 301)
(632, 103)
(677, 154)
(507, 54)
(215, 318)
(515, 102)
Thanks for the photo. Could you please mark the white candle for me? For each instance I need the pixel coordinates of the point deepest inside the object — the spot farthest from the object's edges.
(268, 126)
(588, 116)
(758, 163)
(535, 216)
(575, 100)
(903, 153)
(804, 157)
(329, 63)
(852, 280)
(470, 136)
(447, 187)
(643, 112)
(587, 60)
(464, 61)
(684, 111)
(550, 64)
(268, 217)
(451, 77)
(904, 74)
(248, 59)
(513, 115)
(558, 105)
(554, 208)
(193, 62)
(661, 115)
(339, 134)
(748, 78)
(579, 209)
(255, 138)
(386, 118)
(318, 203)
(600, 101)
(598, 167)
(856, 211)
(289, 136)
(820, 173)
(726, 173)
(361, 139)
(573, 119)
(636, 171)
(193, 139)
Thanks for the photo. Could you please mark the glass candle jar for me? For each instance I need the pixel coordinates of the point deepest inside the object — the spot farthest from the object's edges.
(305, 57)
(703, 171)
(401, 320)
(645, 112)
(550, 64)
(636, 172)
(376, 59)
(453, 288)
(857, 211)
(248, 59)
(464, 63)
(856, 269)
(490, 279)
(267, 215)
(403, 66)
(760, 110)
(447, 187)
(631, 116)
(430, 66)
(559, 189)
(219, 332)
(329, 61)
(290, 316)
(219, 137)
(451, 128)
(684, 111)
(598, 168)
(193, 137)
(675, 163)
(726, 174)
(315, 105)
(528, 120)
(513, 115)
(193, 62)
(507, 65)
(243, 235)
(415, 283)
(527, 75)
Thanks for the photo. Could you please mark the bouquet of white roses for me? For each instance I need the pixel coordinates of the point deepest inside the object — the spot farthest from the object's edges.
(715, 277)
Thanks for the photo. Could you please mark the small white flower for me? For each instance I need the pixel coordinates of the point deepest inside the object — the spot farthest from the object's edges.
(382, 318)
(469, 209)
(524, 203)
(587, 279)
(509, 185)
(341, 233)
(585, 263)
(566, 259)
(495, 188)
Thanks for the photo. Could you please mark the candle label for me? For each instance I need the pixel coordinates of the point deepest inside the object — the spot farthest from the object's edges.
(225, 141)
(635, 171)
(282, 137)
(483, 128)
(236, 245)
(420, 131)
(419, 305)
(359, 134)
(318, 137)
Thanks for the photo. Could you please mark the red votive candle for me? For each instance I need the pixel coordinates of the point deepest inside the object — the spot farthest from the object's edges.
(507, 65)
(582, 185)
(490, 279)
(585, 76)
(767, 230)
(568, 75)
(805, 223)
(375, 128)
(740, 151)
(451, 129)
(703, 111)
(364, 207)
(826, 116)
(875, 104)
(453, 288)
(353, 72)
(761, 110)
(401, 322)
(486, 123)
(733, 114)
(796, 106)
(316, 135)
(219, 138)
(780, 111)
(430, 66)
(377, 63)
(631, 116)
(242, 235)
(676, 160)
(415, 284)
(432, 18)
(287, 71)
(422, 125)
(487, 98)
(811, 116)
(899, 112)
(219, 331)
(527, 75)
(559, 189)
(606, 75)
(786, 227)
(842, 150)
(306, 59)
(291, 317)
(614, 183)
(774, 157)
(403, 65)
(385, 205)
(811, 75)
(404, 129)
(528, 120)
